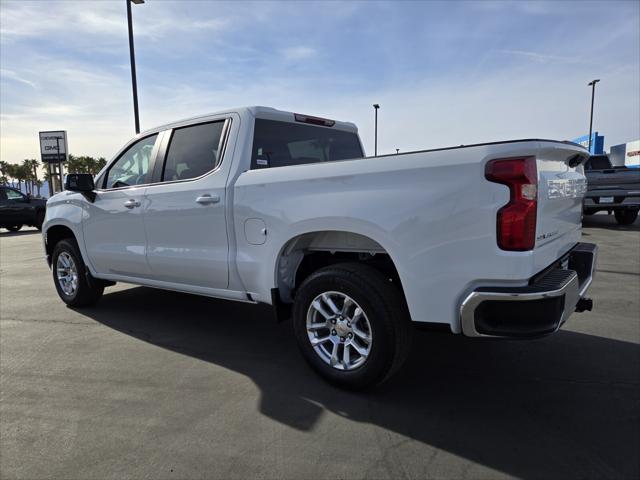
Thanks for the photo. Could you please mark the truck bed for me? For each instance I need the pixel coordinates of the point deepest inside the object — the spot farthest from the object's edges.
(432, 211)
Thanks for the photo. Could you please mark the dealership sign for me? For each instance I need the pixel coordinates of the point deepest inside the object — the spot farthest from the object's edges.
(53, 146)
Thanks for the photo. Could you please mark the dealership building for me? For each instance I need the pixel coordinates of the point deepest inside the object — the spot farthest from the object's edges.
(627, 154)
(624, 154)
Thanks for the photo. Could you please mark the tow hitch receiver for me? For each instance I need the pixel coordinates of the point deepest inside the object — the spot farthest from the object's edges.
(584, 304)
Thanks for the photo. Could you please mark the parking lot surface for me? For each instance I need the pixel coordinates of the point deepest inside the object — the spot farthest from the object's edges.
(154, 384)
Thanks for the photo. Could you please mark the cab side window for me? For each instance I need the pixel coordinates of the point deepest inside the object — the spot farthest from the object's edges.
(193, 151)
(132, 168)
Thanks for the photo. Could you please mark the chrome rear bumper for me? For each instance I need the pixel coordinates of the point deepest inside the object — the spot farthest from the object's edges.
(539, 308)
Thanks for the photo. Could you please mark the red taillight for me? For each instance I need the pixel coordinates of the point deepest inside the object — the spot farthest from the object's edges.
(516, 225)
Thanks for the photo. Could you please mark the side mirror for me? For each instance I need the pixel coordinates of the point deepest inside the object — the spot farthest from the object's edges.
(81, 182)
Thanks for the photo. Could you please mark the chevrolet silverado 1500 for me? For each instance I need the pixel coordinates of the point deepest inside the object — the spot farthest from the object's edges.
(260, 205)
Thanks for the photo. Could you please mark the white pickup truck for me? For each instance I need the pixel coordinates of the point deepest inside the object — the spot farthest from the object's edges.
(260, 205)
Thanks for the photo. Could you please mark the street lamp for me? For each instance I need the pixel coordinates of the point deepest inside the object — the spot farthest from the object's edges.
(375, 142)
(592, 84)
(132, 57)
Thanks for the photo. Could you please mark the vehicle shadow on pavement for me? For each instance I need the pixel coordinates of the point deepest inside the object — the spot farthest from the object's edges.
(608, 222)
(563, 406)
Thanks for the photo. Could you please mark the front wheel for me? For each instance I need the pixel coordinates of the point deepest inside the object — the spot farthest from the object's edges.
(75, 285)
(626, 217)
(352, 325)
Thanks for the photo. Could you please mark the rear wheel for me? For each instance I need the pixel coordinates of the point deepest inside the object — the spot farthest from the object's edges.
(626, 217)
(14, 228)
(75, 285)
(352, 325)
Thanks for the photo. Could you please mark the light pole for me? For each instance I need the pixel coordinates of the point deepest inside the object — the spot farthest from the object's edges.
(375, 141)
(592, 84)
(132, 57)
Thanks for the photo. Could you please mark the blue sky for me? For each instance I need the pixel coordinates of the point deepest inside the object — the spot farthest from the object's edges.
(445, 73)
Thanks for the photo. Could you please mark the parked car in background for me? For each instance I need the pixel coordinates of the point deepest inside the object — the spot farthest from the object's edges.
(260, 205)
(18, 209)
(612, 189)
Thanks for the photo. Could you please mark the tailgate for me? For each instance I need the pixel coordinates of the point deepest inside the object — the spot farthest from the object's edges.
(561, 187)
(616, 181)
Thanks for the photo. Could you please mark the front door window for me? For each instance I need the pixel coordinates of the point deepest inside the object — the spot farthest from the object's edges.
(132, 168)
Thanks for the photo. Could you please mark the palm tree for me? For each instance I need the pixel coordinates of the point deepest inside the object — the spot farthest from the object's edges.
(85, 164)
(35, 164)
(16, 174)
(4, 172)
(74, 164)
(12, 172)
(100, 164)
(38, 186)
(47, 178)
(28, 175)
(23, 174)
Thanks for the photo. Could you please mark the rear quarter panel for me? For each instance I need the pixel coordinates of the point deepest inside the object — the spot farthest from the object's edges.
(433, 212)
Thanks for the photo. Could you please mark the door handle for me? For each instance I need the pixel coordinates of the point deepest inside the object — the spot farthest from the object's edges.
(207, 199)
(132, 203)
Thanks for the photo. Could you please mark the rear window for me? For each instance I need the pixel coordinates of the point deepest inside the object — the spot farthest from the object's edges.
(193, 151)
(280, 144)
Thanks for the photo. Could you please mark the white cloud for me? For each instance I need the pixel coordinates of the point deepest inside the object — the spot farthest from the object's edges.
(10, 74)
(537, 8)
(85, 22)
(298, 53)
(192, 60)
(544, 57)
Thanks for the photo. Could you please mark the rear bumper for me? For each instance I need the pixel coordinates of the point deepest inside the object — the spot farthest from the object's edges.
(593, 200)
(539, 308)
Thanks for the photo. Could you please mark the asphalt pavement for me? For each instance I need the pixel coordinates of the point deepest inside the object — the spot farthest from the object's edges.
(154, 384)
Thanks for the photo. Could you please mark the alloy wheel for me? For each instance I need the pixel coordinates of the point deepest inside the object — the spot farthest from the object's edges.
(67, 273)
(339, 330)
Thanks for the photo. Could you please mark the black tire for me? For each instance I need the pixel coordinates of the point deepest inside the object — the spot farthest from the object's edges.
(588, 212)
(385, 309)
(39, 220)
(626, 217)
(14, 228)
(89, 290)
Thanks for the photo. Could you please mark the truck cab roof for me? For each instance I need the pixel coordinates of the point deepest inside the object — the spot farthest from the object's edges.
(256, 111)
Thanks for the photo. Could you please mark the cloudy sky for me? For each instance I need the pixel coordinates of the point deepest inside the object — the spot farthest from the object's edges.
(444, 73)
